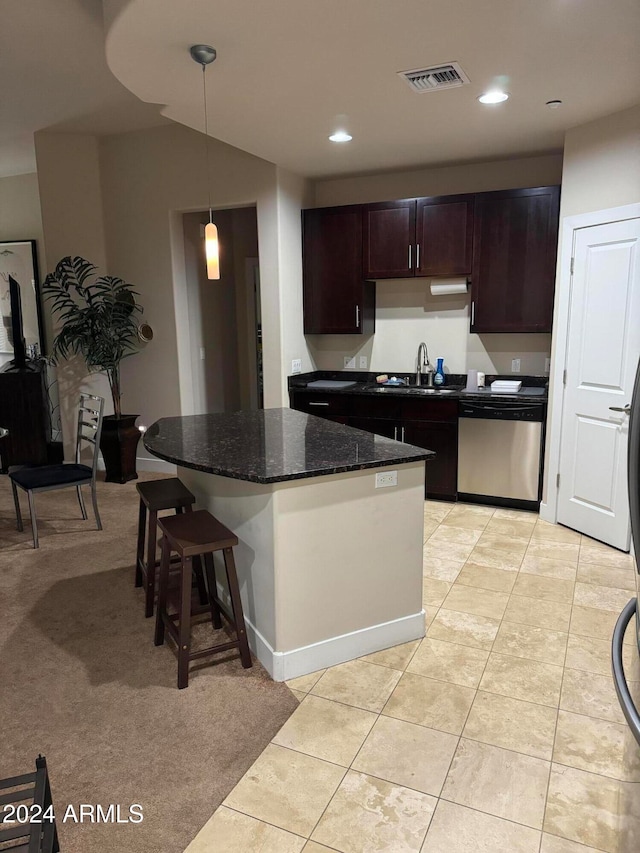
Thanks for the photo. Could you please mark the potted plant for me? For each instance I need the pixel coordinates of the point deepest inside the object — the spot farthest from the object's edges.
(100, 323)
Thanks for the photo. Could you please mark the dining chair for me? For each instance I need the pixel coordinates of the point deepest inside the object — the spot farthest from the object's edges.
(46, 478)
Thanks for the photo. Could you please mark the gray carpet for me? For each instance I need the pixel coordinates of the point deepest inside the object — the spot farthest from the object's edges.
(82, 683)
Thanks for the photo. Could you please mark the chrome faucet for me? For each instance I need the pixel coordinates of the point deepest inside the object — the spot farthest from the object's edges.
(423, 362)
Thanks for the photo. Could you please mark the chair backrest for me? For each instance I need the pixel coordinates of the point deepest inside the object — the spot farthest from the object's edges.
(24, 792)
(89, 426)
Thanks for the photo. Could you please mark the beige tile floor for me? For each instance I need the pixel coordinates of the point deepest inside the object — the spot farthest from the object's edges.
(500, 731)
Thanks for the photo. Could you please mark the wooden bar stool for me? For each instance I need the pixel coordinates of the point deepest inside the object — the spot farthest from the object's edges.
(192, 535)
(157, 495)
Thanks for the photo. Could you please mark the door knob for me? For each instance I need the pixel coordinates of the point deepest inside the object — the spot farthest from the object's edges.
(626, 408)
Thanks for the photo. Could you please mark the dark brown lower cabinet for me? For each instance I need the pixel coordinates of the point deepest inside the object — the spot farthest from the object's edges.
(432, 424)
(441, 478)
(379, 426)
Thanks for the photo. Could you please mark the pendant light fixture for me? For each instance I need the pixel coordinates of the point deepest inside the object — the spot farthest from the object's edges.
(204, 55)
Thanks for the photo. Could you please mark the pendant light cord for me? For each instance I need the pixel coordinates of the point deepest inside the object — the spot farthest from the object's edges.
(206, 136)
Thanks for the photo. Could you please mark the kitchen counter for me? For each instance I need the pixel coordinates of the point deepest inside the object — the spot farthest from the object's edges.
(273, 445)
(534, 388)
(329, 558)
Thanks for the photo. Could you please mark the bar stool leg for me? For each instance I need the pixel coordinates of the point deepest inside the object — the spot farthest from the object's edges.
(197, 566)
(199, 576)
(236, 603)
(213, 593)
(142, 518)
(184, 630)
(150, 588)
(163, 584)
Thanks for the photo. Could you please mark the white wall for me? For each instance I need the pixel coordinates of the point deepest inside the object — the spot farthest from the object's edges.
(72, 222)
(20, 219)
(122, 198)
(294, 194)
(440, 180)
(406, 313)
(601, 166)
(601, 170)
(151, 177)
(219, 324)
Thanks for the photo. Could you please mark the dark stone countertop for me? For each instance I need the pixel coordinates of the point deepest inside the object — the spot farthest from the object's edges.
(273, 445)
(534, 388)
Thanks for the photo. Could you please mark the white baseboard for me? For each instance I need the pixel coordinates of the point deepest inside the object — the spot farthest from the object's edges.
(282, 666)
(147, 463)
(546, 512)
(152, 463)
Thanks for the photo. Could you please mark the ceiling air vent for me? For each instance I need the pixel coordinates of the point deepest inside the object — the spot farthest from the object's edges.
(447, 76)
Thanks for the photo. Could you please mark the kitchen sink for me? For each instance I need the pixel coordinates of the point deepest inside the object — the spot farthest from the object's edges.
(413, 389)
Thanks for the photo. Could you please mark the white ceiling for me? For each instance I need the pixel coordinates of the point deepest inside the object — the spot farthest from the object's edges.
(290, 71)
(54, 76)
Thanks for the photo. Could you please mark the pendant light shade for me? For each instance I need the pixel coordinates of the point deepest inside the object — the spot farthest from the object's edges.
(211, 251)
(204, 55)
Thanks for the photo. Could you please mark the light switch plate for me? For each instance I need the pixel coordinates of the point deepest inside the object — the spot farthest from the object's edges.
(515, 365)
(547, 365)
(363, 362)
(350, 362)
(296, 365)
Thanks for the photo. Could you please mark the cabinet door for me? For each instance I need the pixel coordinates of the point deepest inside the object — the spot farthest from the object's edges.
(514, 260)
(441, 475)
(337, 300)
(380, 426)
(389, 238)
(332, 407)
(444, 235)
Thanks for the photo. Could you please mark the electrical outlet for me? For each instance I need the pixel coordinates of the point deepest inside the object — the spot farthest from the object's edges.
(296, 365)
(350, 362)
(515, 365)
(363, 362)
(386, 478)
(202, 353)
(547, 365)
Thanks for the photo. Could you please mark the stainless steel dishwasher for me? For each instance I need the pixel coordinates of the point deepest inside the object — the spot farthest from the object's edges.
(500, 452)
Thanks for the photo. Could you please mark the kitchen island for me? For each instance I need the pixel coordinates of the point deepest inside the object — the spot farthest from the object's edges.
(329, 564)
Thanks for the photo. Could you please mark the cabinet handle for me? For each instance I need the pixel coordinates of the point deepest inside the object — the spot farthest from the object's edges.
(395, 433)
(318, 404)
(402, 439)
(357, 316)
(473, 313)
(417, 256)
(410, 247)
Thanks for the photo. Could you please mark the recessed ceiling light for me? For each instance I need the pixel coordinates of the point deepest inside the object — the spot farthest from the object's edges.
(493, 97)
(341, 136)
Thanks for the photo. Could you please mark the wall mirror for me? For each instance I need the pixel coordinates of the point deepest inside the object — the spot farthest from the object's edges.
(19, 260)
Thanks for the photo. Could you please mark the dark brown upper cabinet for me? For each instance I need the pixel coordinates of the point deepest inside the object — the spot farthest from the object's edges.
(389, 231)
(514, 260)
(418, 237)
(337, 298)
(444, 235)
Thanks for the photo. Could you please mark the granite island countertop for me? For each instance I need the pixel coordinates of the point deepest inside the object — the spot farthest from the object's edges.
(273, 445)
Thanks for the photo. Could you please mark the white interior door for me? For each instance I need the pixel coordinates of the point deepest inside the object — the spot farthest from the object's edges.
(602, 353)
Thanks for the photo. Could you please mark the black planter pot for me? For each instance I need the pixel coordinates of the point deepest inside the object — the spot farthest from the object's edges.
(118, 443)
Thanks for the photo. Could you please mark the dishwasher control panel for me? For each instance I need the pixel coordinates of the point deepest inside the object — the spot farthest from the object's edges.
(503, 411)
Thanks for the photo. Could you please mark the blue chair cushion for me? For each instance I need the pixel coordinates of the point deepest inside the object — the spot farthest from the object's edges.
(51, 475)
